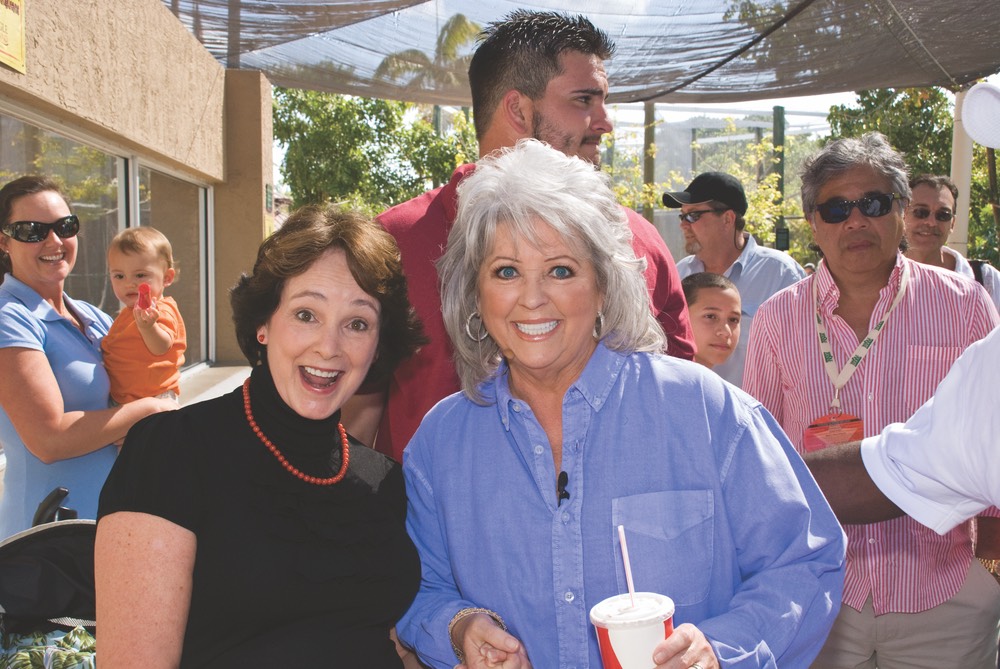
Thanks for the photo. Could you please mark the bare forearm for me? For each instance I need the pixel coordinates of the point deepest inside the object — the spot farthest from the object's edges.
(81, 432)
(854, 497)
(33, 401)
(157, 339)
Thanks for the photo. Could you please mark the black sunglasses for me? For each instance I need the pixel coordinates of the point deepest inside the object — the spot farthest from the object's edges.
(693, 216)
(941, 215)
(872, 206)
(33, 231)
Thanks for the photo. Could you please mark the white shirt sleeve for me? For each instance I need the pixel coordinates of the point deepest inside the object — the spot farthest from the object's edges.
(943, 465)
(991, 282)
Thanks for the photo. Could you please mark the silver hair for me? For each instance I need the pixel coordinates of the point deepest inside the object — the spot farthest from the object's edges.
(871, 149)
(516, 187)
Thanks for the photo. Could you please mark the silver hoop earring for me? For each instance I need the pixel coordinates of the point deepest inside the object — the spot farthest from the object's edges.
(483, 334)
(599, 326)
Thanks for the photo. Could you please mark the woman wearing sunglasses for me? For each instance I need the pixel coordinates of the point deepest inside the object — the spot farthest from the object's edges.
(55, 424)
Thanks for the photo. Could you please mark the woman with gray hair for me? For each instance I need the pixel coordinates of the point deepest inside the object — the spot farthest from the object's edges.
(571, 424)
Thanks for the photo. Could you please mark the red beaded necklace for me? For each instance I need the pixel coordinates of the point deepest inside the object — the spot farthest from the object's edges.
(345, 452)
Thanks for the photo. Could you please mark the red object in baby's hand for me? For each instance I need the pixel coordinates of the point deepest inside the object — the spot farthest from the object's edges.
(144, 301)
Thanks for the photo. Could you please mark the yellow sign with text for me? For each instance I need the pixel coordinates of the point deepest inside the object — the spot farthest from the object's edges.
(12, 34)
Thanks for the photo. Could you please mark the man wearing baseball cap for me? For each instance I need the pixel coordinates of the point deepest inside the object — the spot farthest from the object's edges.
(712, 210)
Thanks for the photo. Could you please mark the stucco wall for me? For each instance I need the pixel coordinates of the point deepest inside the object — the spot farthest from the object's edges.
(241, 218)
(129, 72)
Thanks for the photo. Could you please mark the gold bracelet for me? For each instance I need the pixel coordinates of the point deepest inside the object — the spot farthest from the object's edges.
(463, 614)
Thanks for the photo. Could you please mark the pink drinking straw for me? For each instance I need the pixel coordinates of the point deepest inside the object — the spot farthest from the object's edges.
(628, 565)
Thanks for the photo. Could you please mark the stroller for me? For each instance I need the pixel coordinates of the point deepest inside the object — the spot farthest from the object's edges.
(47, 603)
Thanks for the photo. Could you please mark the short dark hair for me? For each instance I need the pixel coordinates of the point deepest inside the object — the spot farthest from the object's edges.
(936, 182)
(372, 257)
(521, 52)
(692, 283)
(16, 189)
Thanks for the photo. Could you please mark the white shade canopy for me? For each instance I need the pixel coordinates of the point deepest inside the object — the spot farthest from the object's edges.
(693, 51)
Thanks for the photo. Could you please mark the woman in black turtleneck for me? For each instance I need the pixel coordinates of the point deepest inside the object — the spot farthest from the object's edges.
(251, 530)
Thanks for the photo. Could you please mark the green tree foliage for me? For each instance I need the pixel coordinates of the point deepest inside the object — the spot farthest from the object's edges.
(751, 161)
(918, 122)
(371, 153)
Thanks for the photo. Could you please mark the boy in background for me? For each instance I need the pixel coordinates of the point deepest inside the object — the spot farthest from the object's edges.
(144, 349)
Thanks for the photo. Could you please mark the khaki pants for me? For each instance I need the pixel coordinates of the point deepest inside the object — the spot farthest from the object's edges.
(961, 632)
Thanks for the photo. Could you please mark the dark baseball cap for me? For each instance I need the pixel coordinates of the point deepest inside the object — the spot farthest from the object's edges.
(717, 186)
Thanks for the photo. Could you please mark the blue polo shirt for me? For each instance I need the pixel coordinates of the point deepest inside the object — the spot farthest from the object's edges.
(28, 321)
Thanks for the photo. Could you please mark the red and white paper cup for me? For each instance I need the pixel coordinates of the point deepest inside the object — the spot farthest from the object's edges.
(628, 634)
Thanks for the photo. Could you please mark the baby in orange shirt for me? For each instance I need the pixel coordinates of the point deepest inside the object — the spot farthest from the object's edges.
(144, 349)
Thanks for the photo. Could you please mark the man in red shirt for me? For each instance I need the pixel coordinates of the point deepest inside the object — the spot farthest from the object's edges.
(535, 74)
(858, 345)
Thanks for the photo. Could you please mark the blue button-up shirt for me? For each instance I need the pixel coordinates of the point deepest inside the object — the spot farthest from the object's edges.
(719, 511)
(758, 273)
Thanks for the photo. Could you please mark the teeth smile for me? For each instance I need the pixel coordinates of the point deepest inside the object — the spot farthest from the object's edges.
(535, 329)
(320, 373)
(58, 256)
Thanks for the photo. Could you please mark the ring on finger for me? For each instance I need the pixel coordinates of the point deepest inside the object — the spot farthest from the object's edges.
(695, 666)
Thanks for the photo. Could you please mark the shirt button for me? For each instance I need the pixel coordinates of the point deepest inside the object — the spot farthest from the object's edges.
(565, 516)
(517, 408)
(871, 396)
(538, 449)
(871, 540)
(569, 596)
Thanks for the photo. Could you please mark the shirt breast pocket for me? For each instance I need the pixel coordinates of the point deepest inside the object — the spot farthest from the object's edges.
(925, 367)
(670, 536)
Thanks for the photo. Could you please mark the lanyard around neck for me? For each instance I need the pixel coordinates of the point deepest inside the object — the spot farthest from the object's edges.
(839, 378)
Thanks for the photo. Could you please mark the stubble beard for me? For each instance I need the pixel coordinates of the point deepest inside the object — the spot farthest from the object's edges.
(547, 132)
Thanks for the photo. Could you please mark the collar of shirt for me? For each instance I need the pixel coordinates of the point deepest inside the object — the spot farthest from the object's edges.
(829, 292)
(962, 265)
(593, 384)
(736, 269)
(31, 300)
(744, 260)
(451, 203)
(44, 311)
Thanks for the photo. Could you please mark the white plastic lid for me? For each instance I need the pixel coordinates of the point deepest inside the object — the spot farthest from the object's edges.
(618, 611)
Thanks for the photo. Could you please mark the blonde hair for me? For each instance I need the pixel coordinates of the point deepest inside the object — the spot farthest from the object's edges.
(144, 239)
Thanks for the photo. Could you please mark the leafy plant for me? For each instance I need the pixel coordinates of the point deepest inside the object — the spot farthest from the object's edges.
(376, 153)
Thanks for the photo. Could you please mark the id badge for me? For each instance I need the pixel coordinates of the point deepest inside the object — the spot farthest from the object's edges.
(832, 429)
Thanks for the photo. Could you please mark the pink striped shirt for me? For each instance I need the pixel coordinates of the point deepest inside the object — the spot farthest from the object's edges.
(904, 566)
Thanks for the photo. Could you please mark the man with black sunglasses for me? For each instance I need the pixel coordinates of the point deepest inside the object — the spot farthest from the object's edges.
(928, 222)
(713, 207)
(861, 344)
